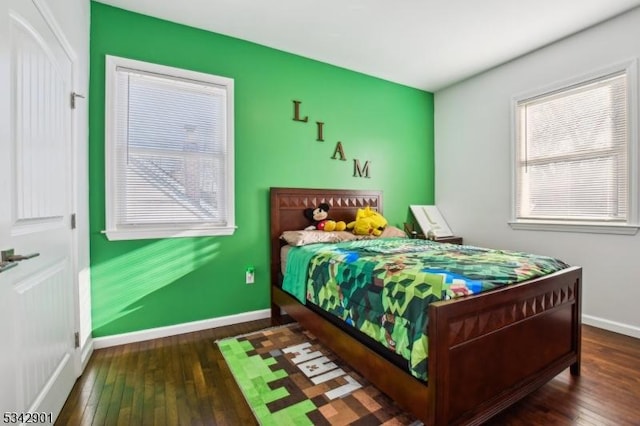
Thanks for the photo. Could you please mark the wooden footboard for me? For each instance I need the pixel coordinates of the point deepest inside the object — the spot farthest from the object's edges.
(486, 352)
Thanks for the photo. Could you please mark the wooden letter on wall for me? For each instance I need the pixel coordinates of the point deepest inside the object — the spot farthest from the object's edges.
(320, 137)
(357, 171)
(340, 151)
(296, 112)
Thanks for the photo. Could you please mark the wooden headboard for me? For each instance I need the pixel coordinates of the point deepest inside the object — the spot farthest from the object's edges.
(288, 204)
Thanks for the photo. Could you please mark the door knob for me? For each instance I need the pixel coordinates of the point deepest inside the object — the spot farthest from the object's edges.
(10, 256)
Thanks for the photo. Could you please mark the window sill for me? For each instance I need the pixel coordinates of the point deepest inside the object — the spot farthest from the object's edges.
(139, 234)
(587, 228)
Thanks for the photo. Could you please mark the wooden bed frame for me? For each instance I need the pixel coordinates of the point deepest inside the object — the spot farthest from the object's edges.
(486, 351)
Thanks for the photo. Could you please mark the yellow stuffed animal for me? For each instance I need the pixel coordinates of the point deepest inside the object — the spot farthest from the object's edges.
(368, 222)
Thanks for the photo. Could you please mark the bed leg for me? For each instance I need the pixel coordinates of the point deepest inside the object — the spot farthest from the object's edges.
(574, 368)
(276, 316)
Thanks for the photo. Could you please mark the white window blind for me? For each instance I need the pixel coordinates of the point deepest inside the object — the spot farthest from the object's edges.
(572, 153)
(170, 151)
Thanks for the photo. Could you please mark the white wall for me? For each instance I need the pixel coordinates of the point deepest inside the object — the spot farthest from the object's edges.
(472, 158)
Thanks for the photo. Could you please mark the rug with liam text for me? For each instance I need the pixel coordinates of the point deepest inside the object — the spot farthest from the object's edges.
(289, 378)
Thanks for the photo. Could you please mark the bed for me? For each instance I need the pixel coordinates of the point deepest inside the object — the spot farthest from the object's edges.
(485, 352)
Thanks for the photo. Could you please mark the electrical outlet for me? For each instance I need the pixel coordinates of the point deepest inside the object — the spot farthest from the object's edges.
(250, 275)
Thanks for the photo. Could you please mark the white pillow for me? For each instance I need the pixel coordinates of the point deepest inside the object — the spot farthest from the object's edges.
(301, 238)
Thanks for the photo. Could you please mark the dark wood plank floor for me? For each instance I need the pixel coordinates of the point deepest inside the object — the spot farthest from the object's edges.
(184, 380)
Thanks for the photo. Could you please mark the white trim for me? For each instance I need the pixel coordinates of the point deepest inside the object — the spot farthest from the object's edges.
(113, 230)
(51, 21)
(616, 327)
(172, 330)
(142, 234)
(630, 67)
(588, 228)
(56, 29)
(634, 152)
(86, 352)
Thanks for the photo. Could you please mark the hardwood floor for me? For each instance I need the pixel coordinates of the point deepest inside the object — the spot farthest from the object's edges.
(184, 380)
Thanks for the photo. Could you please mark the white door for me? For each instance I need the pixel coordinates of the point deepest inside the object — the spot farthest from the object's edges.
(37, 311)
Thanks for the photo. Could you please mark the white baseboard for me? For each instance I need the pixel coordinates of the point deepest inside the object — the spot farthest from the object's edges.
(172, 330)
(616, 327)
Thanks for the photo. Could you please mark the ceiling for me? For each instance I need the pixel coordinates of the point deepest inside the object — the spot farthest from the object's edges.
(426, 44)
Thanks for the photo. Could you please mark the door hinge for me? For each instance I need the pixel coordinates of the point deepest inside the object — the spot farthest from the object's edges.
(75, 95)
(76, 339)
(73, 221)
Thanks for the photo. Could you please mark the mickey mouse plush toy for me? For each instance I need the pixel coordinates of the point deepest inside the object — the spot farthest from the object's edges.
(319, 218)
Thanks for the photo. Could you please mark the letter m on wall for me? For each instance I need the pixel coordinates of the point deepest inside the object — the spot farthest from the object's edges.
(360, 171)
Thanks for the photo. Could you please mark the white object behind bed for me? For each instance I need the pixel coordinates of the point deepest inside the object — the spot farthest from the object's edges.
(431, 221)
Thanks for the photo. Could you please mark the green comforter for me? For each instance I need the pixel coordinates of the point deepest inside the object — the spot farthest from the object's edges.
(383, 287)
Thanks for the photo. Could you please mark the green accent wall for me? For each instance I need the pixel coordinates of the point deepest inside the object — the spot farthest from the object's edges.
(142, 284)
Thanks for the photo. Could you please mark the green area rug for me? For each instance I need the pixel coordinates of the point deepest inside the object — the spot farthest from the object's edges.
(288, 378)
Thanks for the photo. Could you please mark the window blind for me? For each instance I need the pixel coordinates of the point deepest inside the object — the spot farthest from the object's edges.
(170, 150)
(572, 153)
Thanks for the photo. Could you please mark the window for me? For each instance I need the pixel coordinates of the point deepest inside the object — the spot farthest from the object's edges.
(169, 152)
(575, 165)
